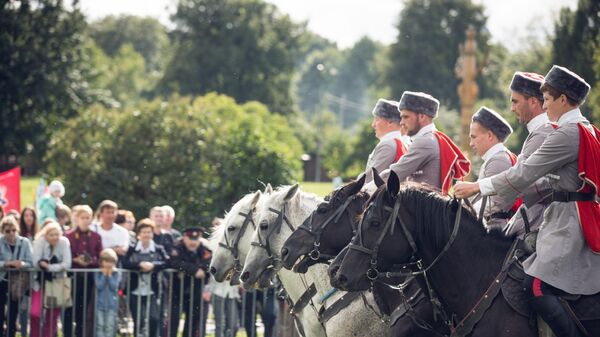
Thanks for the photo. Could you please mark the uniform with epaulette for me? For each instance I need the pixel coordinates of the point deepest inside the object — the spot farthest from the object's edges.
(186, 287)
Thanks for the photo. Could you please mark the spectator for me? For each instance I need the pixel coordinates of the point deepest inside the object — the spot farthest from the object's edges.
(169, 219)
(107, 286)
(126, 219)
(15, 214)
(224, 301)
(50, 201)
(52, 254)
(15, 252)
(1, 212)
(191, 259)
(157, 214)
(28, 224)
(28, 227)
(147, 258)
(85, 249)
(113, 236)
(63, 216)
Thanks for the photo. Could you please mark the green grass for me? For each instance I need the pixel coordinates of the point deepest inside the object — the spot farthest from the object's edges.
(320, 189)
(28, 186)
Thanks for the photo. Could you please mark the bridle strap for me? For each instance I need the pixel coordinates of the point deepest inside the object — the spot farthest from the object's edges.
(233, 247)
(281, 218)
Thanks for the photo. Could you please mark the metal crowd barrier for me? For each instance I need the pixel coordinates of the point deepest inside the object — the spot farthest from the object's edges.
(236, 318)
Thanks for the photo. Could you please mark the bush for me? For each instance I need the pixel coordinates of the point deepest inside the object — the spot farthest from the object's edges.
(199, 156)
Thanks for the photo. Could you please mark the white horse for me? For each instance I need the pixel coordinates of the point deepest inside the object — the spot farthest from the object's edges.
(230, 241)
(282, 212)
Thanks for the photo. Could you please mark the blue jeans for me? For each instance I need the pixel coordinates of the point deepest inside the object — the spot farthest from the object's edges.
(106, 323)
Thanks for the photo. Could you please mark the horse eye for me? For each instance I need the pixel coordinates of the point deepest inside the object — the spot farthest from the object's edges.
(264, 225)
(375, 223)
(231, 228)
(322, 209)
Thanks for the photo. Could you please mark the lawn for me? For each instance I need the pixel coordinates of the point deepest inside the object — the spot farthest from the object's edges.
(28, 186)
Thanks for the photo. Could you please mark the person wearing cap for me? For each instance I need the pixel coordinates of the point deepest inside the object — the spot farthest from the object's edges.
(392, 142)
(47, 205)
(567, 255)
(432, 158)
(191, 259)
(527, 104)
(488, 132)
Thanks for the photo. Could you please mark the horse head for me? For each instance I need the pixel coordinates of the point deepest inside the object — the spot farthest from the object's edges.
(233, 236)
(327, 229)
(280, 214)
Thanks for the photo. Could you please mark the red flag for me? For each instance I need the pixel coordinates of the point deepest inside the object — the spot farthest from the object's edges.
(10, 189)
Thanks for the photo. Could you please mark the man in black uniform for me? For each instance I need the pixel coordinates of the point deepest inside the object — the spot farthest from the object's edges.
(191, 260)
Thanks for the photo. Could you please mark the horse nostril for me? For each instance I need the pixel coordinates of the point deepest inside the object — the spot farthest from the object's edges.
(342, 279)
(245, 276)
(333, 271)
(284, 252)
(213, 270)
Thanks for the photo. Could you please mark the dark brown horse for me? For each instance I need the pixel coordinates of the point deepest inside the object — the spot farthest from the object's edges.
(463, 270)
(328, 230)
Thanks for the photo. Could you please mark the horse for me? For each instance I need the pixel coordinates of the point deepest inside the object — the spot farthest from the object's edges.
(234, 236)
(282, 212)
(328, 230)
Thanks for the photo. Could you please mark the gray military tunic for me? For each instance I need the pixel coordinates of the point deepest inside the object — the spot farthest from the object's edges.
(496, 160)
(563, 258)
(536, 195)
(384, 153)
(422, 161)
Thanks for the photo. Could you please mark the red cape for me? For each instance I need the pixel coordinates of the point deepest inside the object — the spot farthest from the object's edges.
(400, 150)
(589, 173)
(453, 163)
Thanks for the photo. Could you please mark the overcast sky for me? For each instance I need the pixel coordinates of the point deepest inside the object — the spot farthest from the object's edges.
(346, 21)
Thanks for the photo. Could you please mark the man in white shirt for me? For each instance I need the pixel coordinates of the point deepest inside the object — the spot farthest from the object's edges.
(113, 236)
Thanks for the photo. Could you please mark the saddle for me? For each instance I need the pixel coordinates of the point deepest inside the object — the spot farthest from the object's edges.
(584, 307)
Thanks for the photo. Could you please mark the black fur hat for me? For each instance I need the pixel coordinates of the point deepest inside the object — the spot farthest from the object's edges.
(387, 109)
(492, 120)
(419, 102)
(569, 83)
(528, 84)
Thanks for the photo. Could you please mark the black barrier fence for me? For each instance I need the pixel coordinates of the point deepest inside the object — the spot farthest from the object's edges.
(156, 304)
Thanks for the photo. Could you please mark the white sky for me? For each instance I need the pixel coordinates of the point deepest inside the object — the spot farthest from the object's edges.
(346, 21)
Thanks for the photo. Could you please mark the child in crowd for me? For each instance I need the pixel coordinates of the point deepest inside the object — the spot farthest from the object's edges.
(107, 285)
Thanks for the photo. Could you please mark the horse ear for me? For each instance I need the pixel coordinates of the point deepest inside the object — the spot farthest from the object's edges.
(377, 178)
(268, 189)
(291, 192)
(356, 186)
(255, 199)
(393, 184)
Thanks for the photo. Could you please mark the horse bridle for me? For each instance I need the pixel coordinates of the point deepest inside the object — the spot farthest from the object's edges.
(315, 254)
(233, 246)
(276, 227)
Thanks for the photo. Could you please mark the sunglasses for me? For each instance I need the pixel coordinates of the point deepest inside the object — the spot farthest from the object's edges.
(8, 231)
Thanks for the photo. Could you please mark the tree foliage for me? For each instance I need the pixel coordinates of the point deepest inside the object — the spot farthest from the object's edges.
(243, 48)
(424, 55)
(199, 156)
(42, 73)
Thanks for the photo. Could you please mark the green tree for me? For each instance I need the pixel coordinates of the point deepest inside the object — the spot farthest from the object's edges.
(198, 155)
(361, 146)
(147, 36)
(425, 53)
(243, 48)
(42, 73)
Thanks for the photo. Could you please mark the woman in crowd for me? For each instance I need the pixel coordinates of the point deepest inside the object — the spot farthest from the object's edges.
(52, 254)
(15, 253)
(28, 227)
(147, 258)
(86, 246)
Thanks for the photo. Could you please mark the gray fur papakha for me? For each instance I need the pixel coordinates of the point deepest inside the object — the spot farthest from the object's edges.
(419, 102)
(527, 84)
(492, 121)
(387, 109)
(569, 83)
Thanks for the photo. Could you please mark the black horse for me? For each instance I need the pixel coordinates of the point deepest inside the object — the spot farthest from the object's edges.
(328, 230)
(461, 259)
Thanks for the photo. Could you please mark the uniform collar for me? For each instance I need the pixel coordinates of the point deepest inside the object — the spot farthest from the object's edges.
(537, 121)
(573, 116)
(427, 128)
(151, 248)
(492, 151)
(390, 135)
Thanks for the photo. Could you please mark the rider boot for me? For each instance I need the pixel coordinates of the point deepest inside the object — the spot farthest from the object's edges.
(555, 315)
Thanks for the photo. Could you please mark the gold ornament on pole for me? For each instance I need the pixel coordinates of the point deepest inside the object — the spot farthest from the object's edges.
(468, 90)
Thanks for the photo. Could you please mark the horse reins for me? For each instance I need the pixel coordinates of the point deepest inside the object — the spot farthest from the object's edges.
(265, 244)
(233, 247)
